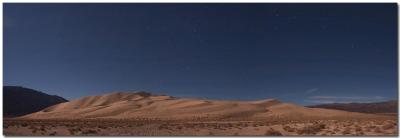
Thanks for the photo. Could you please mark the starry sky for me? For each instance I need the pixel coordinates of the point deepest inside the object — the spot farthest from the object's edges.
(299, 53)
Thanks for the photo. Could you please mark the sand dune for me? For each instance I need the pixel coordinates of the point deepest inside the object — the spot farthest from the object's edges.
(144, 105)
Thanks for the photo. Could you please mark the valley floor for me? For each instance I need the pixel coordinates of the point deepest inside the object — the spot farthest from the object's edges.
(366, 127)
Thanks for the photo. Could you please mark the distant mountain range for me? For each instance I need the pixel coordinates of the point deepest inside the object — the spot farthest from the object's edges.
(19, 101)
(379, 107)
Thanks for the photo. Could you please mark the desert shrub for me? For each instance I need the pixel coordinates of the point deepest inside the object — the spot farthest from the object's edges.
(42, 128)
(71, 131)
(320, 126)
(360, 133)
(53, 134)
(387, 126)
(358, 128)
(89, 131)
(336, 129)
(102, 127)
(330, 132)
(379, 123)
(312, 129)
(288, 129)
(163, 126)
(377, 130)
(346, 131)
(32, 127)
(78, 129)
(272, 132)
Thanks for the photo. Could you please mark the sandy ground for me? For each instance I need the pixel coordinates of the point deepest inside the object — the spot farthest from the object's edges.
(111, 127)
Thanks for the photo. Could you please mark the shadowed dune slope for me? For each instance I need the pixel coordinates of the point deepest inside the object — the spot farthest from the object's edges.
(145, 105)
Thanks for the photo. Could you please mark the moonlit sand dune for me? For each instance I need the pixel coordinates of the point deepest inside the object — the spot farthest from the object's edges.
(144, 105)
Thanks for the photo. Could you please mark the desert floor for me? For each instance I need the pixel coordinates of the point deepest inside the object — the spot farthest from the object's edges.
(372, 127)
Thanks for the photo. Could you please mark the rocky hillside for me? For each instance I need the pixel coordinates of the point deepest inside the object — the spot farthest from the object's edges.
(21, 101)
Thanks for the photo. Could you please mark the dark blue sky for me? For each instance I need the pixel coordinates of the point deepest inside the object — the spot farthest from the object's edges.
(300, 53)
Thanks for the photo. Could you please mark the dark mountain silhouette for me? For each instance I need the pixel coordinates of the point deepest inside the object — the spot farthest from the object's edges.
(21, 101)
(379, 107)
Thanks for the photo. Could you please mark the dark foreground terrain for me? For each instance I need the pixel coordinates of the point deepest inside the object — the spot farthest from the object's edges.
(114, 127)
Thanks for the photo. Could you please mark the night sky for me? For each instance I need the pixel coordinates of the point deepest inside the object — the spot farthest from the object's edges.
(298, 53)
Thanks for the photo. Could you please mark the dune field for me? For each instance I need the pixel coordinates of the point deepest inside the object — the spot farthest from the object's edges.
(144, 114)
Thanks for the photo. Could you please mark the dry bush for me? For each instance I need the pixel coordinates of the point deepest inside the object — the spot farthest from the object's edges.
(360, 133)
(272, 132)
(202, 125)
(312, 129)
(53, 134)
(89, 131)
(372, 127)
(24, 124)
(346, 131)
(102, 127)
(330, 132)
(288, 129)
(336, 129)
(358, 128)
(377, 130)
(163, 126)
(388, 126)
(379, 123)
(42, 128)
(32, 127)
(71, 131)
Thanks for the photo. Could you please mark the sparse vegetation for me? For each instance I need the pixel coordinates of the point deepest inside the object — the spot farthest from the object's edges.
(346, 131)
(388, 126)
(272, 132)
(311, 129)
(173, 128)
(288, 129)
(53, 134)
